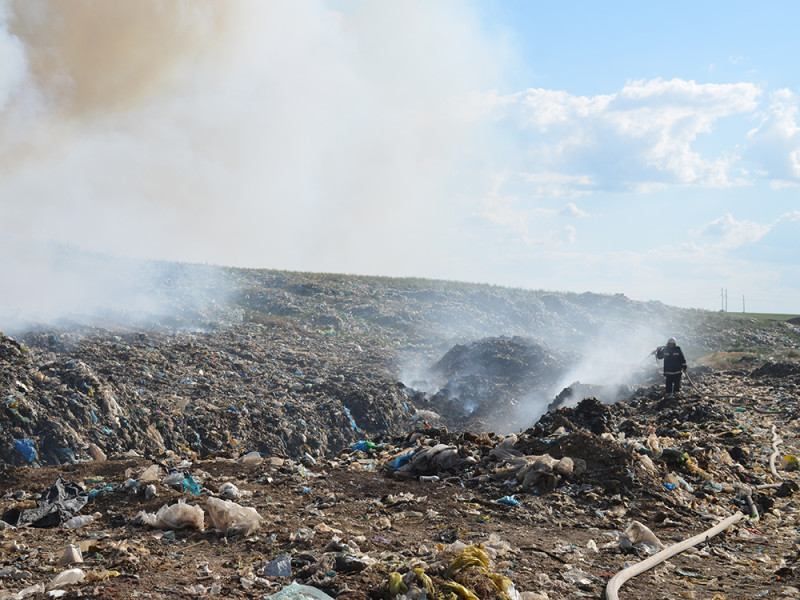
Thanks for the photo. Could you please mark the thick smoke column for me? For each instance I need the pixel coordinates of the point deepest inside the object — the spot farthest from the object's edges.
(302, 135)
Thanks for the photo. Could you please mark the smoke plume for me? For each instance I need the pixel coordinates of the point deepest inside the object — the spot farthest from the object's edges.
(302, 135)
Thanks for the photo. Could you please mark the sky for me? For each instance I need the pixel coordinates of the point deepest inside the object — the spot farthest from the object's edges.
(650, 150)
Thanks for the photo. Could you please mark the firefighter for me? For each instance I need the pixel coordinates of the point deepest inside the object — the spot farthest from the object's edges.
(674, 365)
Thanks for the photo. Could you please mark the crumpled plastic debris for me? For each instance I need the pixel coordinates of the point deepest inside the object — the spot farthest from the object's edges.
(72, 555)
(26, 448)
(363, 446)
(509, 501)
(190, 485)
(57, 504)
(252, 458)
(295, 591)
(68, 577)
(639, 535)
(174, 516)
(231, 518)
(468, 576)
(78, 521)
(229, 491)
(280, 566)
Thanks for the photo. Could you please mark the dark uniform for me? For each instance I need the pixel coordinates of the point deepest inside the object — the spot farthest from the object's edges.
(674, 365)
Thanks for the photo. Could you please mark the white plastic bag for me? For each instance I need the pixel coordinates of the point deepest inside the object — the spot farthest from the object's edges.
(231, 518)
(175, 516)
(67, 577)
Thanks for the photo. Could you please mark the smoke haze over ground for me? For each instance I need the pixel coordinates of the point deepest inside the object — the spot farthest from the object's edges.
(304, 135)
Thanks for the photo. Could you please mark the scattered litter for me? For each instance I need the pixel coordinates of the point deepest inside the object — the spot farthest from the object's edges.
(638, 535)
(509, 501)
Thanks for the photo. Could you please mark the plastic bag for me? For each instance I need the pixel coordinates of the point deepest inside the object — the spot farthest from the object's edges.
(295, 591)
(67, 577)
(231, 518)
(640, 535)
(175, 516)
(27, 449)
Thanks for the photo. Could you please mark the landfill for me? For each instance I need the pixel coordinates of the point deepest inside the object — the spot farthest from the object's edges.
(279, 451)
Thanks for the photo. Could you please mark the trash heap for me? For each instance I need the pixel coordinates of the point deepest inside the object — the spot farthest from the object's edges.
(72, 396)
(480, 385)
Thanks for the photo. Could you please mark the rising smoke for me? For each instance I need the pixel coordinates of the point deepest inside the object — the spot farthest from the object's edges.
(325, 136)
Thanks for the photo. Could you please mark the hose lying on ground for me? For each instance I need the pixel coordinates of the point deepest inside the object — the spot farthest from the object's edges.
(616, 582)
(612, 588)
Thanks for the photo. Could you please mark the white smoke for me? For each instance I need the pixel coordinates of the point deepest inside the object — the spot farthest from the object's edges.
(305, 135)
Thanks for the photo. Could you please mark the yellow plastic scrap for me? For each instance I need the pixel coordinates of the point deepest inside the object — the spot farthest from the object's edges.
(102, 575)
(694, 469)
(459, 591)
(502, 583)
(471, 566)
(471, 556)
(424, 580)
(396, 584)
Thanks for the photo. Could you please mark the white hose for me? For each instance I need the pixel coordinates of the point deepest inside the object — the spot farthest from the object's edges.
(620, 578)
(775, 452)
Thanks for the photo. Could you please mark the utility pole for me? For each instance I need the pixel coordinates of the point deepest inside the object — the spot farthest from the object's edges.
(721, 299)
(726, 299)
(743, 310)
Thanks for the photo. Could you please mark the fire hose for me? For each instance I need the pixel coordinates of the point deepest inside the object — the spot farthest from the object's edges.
(620, 578)
(612, 588)
(616, 582)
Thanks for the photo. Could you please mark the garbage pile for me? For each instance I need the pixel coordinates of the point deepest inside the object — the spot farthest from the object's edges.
(481, 384)
(74, 396)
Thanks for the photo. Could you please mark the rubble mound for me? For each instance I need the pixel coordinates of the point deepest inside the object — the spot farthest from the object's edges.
(224, 392)
(516, 360)
(589, 415)
(776, 369)
(608, 464)
(487, 378)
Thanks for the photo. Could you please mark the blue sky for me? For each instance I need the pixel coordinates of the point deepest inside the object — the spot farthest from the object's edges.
(651, 149)
(714, 206)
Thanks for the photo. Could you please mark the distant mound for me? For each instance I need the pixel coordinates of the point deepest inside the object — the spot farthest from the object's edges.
(485, 380)
(512, 360)
(776, 369)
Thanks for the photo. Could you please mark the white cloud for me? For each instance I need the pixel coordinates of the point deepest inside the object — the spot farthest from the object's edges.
(727, 232)
(774, 146)
(641, 137)
(572, 210)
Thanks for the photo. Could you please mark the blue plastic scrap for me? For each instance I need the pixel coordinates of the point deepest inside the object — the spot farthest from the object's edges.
(363, 446)
(399, 461)
(27, 449)
(191, 486)
(353, 423)
(509, 501)
(280, 566)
